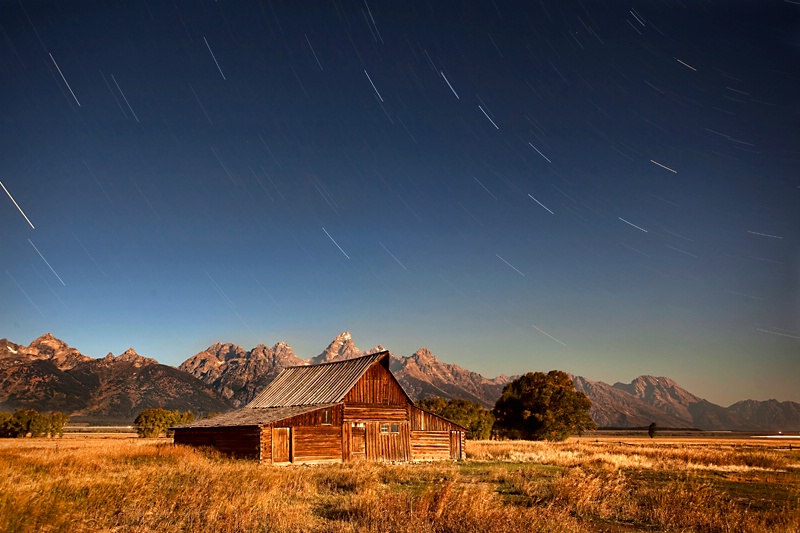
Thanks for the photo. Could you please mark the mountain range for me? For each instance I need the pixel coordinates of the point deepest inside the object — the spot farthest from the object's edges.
(49, 375)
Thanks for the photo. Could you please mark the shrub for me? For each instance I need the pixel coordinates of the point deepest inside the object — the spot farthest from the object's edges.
(153, 422)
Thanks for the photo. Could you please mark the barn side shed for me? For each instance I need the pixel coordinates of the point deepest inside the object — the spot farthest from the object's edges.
(351, 410)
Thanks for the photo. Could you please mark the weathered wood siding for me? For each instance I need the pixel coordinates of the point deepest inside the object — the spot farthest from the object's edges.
(430, 445)
(315, 418)
(266, 444)
(377, 386)
(316, 444)
(456, 444)
(389, 446)
(366, 413)
(244, 441)
(354, 438)
(281, 445)
(422, 420)
(357, 444)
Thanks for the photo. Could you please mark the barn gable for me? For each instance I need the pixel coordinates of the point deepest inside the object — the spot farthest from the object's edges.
(323, 383)
(342, 411)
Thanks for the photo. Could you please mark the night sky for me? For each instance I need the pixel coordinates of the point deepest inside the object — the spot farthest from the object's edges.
(607, 188)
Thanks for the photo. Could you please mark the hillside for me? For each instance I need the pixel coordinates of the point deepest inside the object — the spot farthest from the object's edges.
(49, 375)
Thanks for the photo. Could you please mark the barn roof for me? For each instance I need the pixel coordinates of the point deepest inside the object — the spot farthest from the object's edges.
(253, 416)
(317, 384)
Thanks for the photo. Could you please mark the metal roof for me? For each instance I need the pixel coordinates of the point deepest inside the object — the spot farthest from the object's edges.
(252, 416)
(315, 384)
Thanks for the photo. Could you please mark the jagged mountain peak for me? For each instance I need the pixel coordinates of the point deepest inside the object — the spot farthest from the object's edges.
(48, 375)
(48, 343)
(57, 351)
(423, 375)
(128, 356)
(376, 349)
(654, 389)
(424, 354)
(342, 347)
(237, 374)
(8, 348)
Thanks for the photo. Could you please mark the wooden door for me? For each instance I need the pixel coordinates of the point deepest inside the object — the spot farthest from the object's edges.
(455, 445)
(358, 443)
(281, 445)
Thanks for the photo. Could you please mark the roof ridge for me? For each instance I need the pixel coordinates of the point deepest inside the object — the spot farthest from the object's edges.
(316, 384)
(339, 361)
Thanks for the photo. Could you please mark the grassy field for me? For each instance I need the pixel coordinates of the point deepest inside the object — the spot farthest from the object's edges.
(614, 484)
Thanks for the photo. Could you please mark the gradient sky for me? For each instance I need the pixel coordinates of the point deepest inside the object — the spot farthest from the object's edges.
(606, 188)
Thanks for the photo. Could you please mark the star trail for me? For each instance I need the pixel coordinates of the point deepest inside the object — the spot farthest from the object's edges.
(626, 177)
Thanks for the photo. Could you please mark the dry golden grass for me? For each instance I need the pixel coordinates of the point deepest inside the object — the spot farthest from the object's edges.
(128, 484)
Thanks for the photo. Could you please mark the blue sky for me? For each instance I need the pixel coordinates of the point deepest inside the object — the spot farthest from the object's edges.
(604, 189)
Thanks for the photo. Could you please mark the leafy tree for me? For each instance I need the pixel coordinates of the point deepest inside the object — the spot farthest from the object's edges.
(8, 429)
(38, 424)
(153, 422)
(57, 422)
(651, 430)
(541, 406)
(471, 415)
(25, 421)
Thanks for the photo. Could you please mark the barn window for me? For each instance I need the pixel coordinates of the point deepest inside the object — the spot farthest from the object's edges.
(384, 428)
(395, 428)
(326, 417)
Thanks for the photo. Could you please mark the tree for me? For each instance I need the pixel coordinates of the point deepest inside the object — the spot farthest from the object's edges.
(25, 421)
(471, 415)
(8, 426)
(153, 422)
(38, 424)
(57, 422)
(651, 430)
(541, 406)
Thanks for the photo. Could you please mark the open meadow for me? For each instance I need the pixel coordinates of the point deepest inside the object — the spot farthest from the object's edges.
(595, 483)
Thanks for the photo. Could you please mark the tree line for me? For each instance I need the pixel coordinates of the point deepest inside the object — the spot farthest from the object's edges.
(536, 406)
(31, 422)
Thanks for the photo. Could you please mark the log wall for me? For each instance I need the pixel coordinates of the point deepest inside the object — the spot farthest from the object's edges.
(430, 445)
(316, 444)
(366, 413)
(243, 442)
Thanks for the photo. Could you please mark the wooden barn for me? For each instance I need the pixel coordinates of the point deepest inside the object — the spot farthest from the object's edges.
(351, 410)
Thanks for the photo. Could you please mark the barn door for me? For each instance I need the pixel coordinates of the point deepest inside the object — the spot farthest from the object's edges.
(281, 445)
(358, 443)
(455, 445)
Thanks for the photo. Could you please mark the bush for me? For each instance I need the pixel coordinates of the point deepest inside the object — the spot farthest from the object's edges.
(153, 422)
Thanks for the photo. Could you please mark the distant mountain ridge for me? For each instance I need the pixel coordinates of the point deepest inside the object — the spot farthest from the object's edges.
(238, 375)
(649, 399)
(49, 375)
